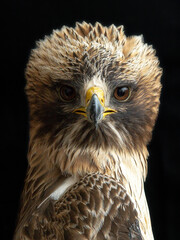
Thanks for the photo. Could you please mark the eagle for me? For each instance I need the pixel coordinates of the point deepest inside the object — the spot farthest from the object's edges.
(93, 96)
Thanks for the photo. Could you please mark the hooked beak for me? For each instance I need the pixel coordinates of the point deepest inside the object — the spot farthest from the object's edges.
(95, 109)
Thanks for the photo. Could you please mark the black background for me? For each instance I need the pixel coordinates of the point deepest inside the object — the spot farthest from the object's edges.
(24, 22)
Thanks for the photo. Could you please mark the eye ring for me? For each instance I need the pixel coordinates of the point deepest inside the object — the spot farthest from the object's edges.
(122, 94)
(67, 93)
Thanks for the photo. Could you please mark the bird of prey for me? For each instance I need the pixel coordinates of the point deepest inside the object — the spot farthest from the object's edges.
(93, 98)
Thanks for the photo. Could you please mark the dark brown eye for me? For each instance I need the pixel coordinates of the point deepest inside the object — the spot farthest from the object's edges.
(122, 93)
(67, 93)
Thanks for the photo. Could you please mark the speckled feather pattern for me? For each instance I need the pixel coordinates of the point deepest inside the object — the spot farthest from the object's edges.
(63, 144)
(97, 207)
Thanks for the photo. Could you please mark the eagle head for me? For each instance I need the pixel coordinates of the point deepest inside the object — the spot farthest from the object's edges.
(93, 93)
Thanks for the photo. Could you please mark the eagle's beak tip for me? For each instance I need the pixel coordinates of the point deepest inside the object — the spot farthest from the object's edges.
(95, 110)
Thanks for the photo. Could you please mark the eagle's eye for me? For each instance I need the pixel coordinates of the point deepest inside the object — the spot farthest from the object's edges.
(67, 93)
(122, 93)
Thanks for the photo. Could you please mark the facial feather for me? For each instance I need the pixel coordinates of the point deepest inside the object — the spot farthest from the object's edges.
(84, 57)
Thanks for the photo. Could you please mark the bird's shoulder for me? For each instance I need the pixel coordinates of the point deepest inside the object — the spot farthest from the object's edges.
(96, 207)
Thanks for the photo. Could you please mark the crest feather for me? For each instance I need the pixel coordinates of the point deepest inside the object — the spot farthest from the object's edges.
(86, 32)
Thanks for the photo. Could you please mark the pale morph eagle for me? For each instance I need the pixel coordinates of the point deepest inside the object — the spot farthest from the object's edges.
(93, 96)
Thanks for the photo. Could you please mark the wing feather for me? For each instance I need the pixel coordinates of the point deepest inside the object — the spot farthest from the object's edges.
(97, 207)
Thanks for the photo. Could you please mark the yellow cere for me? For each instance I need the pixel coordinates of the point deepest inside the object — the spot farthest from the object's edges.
(100, 94)
(95, 90)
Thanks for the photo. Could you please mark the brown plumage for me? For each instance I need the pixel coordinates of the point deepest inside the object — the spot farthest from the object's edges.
(97, 207)
(93, 96)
